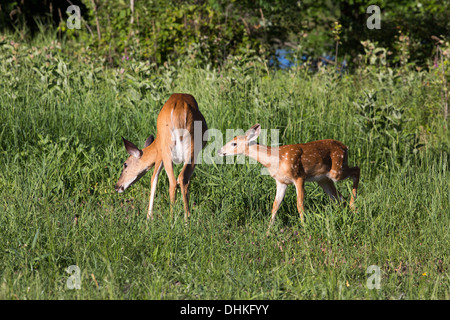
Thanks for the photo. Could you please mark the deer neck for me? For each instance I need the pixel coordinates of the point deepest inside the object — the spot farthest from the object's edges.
(261, 153)
(151, 154)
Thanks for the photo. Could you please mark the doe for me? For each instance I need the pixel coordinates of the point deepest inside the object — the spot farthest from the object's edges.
(174, 143)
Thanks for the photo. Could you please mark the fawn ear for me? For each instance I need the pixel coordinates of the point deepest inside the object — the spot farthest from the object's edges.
(132, 149)
(253, 133)
(149, 141)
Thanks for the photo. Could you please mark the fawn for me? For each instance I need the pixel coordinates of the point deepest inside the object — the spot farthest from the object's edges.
(174, 143)
(322, 161)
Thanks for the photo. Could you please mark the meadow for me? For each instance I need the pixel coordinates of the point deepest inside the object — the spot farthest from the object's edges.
(61, 152)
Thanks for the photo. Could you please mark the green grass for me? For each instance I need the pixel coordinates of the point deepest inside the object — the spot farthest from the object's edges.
(61, 154)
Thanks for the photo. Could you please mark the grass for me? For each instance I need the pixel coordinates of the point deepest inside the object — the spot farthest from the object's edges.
(61, 154)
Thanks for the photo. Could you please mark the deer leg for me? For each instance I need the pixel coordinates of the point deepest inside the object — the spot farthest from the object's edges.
(300, 187)
(168, 166)
(154, 182)
(281, 191)
(330, 189)
(184, 179)
(344, 173)
(354, 173)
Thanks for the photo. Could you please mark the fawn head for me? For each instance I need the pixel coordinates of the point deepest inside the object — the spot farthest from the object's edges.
(241, 143)
(136, 165)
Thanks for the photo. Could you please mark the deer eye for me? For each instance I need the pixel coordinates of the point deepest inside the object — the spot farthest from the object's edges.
(233, 144)
(125, 165)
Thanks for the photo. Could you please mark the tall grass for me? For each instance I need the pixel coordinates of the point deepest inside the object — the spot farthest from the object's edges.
(61, 153)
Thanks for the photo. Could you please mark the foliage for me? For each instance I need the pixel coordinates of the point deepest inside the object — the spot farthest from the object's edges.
(208, 31)
(385, 128)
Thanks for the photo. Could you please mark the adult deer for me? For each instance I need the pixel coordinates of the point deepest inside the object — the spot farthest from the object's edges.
(180, 137)
(322, 161)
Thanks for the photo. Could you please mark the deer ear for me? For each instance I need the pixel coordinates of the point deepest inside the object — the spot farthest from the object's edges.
(149, 141)
(253, 133)
(132, 149)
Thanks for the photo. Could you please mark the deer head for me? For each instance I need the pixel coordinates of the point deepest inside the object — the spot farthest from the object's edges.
(241, 143)
(137, 164)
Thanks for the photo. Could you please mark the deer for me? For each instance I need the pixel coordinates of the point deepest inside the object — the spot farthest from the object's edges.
(178, 140)
(322, 161)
